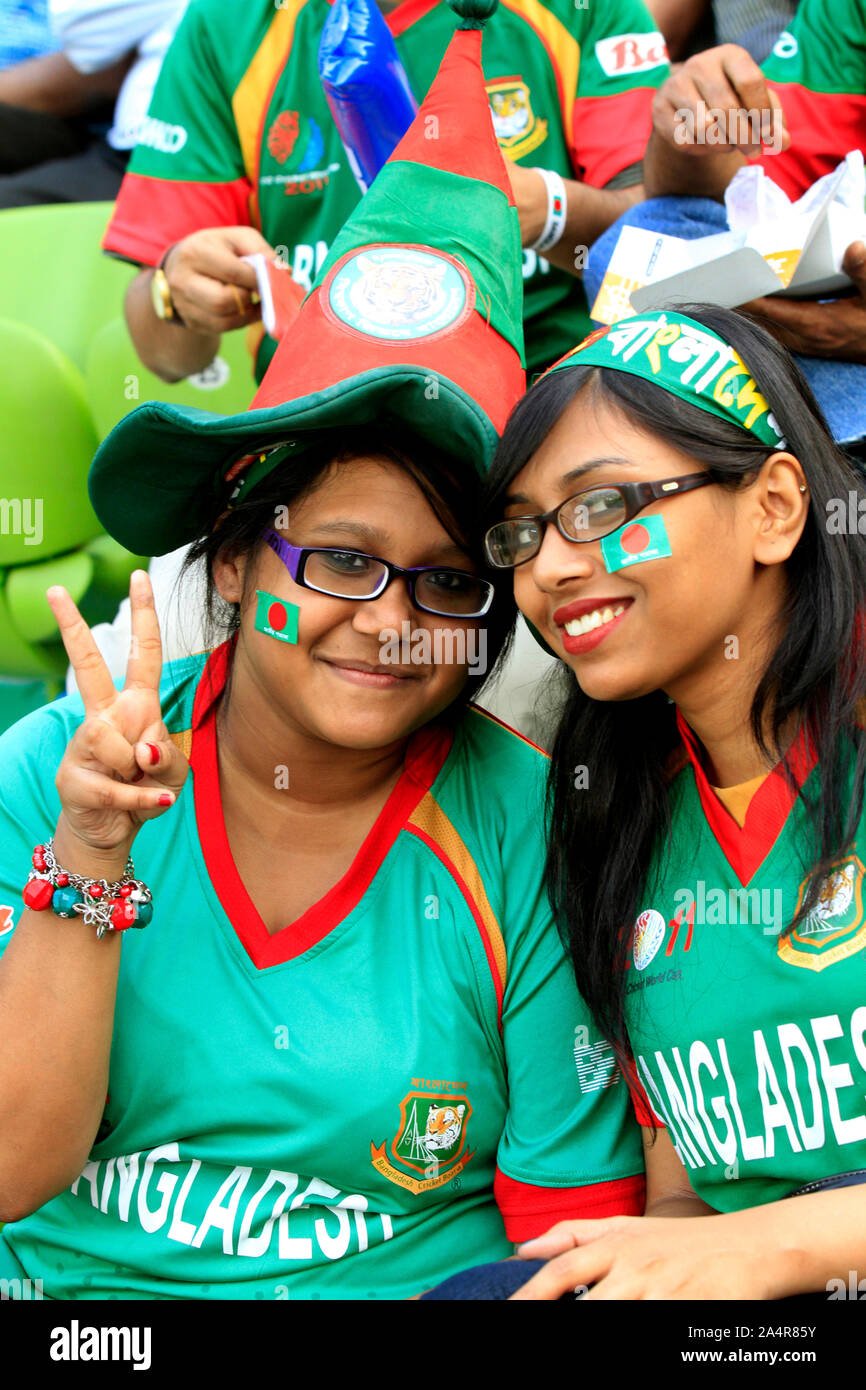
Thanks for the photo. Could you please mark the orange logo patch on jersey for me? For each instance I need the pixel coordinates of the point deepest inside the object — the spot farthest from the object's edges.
(834, 929)
(517, 128)
(430, 1140)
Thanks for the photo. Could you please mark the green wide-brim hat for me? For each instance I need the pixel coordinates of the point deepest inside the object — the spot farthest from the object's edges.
(414, 325)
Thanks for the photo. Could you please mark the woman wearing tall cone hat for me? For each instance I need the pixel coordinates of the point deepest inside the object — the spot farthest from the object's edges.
(346, 1047)
(678, 522)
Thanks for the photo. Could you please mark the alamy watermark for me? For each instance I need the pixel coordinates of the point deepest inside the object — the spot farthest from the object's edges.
(732, 907)
(713, 125)
(22, 516)
(21, 1290)
(443, 646)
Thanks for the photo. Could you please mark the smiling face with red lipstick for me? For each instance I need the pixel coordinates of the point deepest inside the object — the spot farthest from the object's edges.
(657, 623)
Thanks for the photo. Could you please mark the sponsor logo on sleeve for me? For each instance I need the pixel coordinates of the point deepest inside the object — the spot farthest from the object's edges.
(160, 135)
(624, 54)
(596, 1065)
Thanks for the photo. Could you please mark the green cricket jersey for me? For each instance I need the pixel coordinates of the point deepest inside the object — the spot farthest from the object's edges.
(749, 1039)
(239, 131)
(393, 1087)
(818, 70)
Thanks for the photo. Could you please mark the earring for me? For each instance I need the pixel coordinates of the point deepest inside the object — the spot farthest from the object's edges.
(802, 487)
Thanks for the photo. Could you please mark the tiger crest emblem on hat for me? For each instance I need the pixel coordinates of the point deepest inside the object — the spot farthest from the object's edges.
(399, 292)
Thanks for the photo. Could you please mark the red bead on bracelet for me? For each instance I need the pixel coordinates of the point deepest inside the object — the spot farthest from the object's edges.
(38, 894)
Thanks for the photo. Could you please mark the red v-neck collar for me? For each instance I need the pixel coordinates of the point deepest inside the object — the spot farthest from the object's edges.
(425, 755)
(746, 847)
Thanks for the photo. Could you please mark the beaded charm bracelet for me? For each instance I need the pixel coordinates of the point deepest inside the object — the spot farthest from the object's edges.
(107, 906)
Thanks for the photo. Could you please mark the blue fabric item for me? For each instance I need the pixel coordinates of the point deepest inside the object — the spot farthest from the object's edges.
(365, 85)
(840, 387)
(487, 1282)
(25, 31)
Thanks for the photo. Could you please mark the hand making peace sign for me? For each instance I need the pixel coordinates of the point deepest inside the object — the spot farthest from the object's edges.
(120, 768)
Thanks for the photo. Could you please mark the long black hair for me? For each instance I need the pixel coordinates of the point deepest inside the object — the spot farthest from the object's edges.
(601, 841)
(454, 497)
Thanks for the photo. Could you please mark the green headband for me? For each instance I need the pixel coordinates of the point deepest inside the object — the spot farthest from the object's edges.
(683, 357)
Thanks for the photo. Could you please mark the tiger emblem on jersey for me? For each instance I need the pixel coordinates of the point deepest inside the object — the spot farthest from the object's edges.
(515, 124)
(834, 929)
(443, 1126)
(429, 1146)
(399, 292)
(834, 899)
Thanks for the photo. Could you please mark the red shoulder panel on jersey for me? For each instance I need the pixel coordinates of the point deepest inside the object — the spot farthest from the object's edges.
(823, 125)
(597, 158)
(406, 14)
(530, 1211)
(152, 214)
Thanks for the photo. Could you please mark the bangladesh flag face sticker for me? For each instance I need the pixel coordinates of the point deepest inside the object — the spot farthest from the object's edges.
(275, 617)
(400, 293)
(635, 542)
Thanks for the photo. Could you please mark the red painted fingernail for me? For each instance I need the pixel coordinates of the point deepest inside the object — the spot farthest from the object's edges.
(165, 799)
(154, 752)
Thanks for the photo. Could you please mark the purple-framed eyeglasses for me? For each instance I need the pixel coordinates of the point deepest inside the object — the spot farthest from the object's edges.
(448, 593)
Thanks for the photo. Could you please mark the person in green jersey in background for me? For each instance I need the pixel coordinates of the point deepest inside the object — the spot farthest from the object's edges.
(240, 154)
(686, 536)
(347, 1045)
(796, 117)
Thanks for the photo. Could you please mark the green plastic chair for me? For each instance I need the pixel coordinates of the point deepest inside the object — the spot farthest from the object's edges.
(57, 280)
(116, 381)
(48, 531)
(46, 444)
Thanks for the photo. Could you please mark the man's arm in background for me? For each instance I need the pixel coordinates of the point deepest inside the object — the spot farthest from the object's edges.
(51, 84)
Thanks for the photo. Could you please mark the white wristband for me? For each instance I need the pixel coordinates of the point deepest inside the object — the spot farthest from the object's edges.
(554, 225)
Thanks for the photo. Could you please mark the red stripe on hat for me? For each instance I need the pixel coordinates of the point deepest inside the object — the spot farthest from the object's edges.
(458, 101)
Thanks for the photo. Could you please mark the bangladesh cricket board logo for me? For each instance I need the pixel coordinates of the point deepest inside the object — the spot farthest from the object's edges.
(834, 929)
(430, 1142)
(400, 293)
(517, 128)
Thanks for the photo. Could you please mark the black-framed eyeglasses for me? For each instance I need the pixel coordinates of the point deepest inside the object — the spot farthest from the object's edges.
(448, 593)
(587, 516)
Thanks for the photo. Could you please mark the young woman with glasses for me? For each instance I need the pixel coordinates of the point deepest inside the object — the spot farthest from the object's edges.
(343, 1051)
(684, 534)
